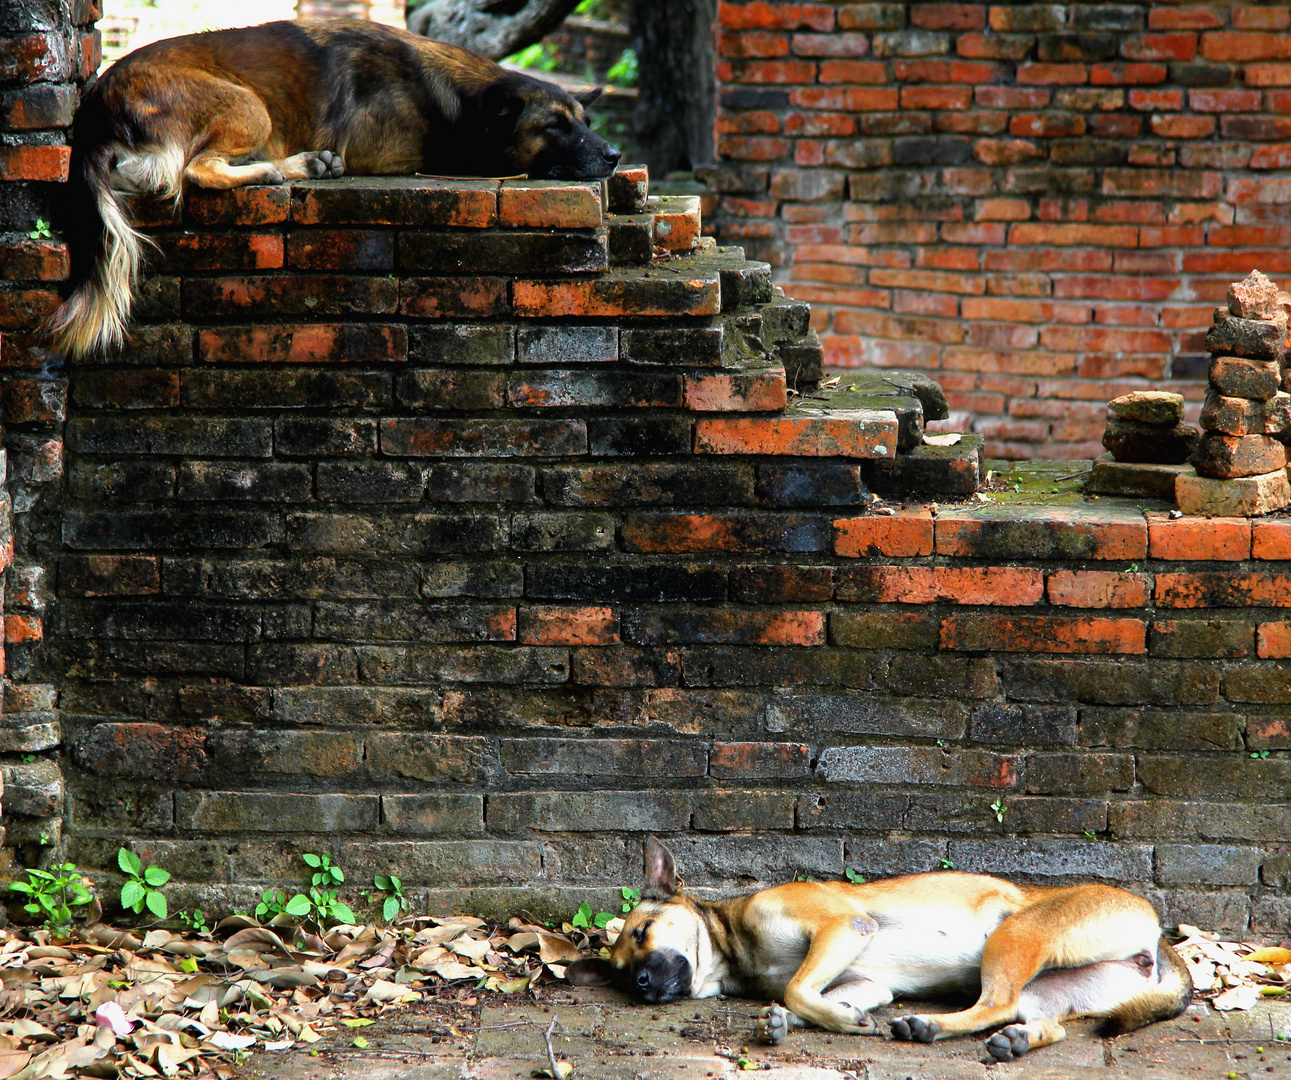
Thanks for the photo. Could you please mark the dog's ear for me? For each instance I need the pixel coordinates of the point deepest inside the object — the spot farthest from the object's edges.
(500, 107)
(586, 97)
(590, 971)
(661, 880)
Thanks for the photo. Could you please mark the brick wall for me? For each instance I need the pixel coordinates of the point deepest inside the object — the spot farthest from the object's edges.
(1039, 203)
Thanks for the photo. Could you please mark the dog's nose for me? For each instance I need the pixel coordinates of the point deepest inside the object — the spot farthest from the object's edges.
(612, 154)
(643, 980)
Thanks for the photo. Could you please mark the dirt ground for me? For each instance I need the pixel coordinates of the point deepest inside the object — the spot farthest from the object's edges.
(464, 1035)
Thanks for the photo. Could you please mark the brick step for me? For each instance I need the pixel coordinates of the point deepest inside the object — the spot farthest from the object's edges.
(857, 434)
(628, 189)
(676, 221)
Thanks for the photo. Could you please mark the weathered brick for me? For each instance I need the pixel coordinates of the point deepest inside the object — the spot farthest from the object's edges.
(433, 757)
(1109, 682)
(560, 345)
(143, 751)
(1207, 864)
(1152, 729)
(1103, 534)
(747, 760)
(624, 292)
(420, 437)
(916, 765)
(409, 202)
(589, 811)
(1079, 774)
(742, 811)
(647, 484)
(694, 533)
(500, 253)
(1202, 638)
(583, 757)
(369, 482)
(916, 631)
(548, 624)
(433, 815)
(902, 535)
(1021, 633)
(868, 714)
(1063, 859)
(994, 585)
(476, 297)
(709, 626)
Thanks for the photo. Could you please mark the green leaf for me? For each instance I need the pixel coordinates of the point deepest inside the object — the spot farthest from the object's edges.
(335, 872)
(298, 905)
(583, 916)
(381, 882)
(129, 862)
(189, 965)
(602, 919)
(157, 904)
(390, 908)
(312, 860)
(396, 883)
(132, 896)
(343, 913)
(155, 876)
(360, 1042)
(357, 1021)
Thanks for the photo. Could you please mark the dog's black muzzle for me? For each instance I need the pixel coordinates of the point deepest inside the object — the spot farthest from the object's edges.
(662, 977)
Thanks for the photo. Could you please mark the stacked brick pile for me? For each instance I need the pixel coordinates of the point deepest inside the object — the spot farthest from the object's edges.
(1240, 460)
(1039, 202)
(1147, 443)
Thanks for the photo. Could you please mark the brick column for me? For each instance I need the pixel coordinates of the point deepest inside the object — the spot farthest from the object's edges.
(48, 50)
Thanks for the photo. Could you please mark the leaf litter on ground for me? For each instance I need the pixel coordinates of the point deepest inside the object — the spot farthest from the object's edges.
(1231, 974)
(162, 1004)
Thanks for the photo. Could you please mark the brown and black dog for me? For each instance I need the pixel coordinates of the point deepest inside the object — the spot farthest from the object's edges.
(293, 101)
(832, 951)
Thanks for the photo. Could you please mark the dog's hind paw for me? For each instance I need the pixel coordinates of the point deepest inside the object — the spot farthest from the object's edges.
(773, 1024)
(915, 1029)
(325, 165)
(1008, 1043)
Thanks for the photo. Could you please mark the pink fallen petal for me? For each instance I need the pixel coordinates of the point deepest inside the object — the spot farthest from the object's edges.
(110, 1014)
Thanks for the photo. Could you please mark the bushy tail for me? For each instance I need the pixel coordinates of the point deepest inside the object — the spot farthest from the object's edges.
(1167, 999)
(106, 259)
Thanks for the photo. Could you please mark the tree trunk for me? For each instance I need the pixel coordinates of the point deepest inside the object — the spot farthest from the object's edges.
(676, 84)
(493, 28)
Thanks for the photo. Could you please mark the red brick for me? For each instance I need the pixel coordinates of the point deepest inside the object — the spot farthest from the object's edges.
(36, 260)
(1120, 236)
(34, 58)
(859, 434)
(1267, 75)
(625, 292)
(1097, 589)
(775, 16)
(318, 343)
(947, 71)
(835, 44)
(1224, 101)
(440, 298)
(549, 204)
(1198, 17)
(707, 533)
(1011, 97)
(550, 624)
(749, 392)
(1226, 46)
(776, 72)
(936, 97)
(1273, 640)
(48, 163)
(736, 760)
(988, 585)
(21, 628)
(1043, 634)
(1272, 157)
(1170, 46)
(905, 534)
(1061, 533)
(1271, 540)
(1052, 74)
(753, 148)
(1199, 590)
(25, 309)
(1215, 539)
(1246, 17)
(948, 16)
(753, 44)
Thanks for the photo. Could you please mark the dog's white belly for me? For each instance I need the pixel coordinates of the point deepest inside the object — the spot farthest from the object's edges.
(919, 959)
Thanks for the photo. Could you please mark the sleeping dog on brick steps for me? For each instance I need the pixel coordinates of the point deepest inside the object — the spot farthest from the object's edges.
(292, 101)
(832, 951)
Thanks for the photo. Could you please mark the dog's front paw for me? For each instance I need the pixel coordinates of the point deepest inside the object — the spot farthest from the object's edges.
(865, 1023)
(1008, 1043)
(915, 1028)
(773, 1024)
(325, 165)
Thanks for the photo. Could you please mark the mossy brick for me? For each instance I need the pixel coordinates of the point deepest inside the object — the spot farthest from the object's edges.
(603, 757)
(1161, 729)
(1227, 456)
(451, 389)
(107, 481)
(320, 436)
(412, 620)
(174, 529)
(494, 579)
(1234, 376)
(745, 282)
(549, 204)
(403, 533)
(284, 579)
(629, 292)
(429, 665)
(852, 433)
(236, 811)
(618, 583)
(1007, 586)
(168, 753)
(759, 760)
(286, 664)
(1177, 776)
(158, 299)
(471, 482)
(594, 389)
(1207, 864)
(570, 344)
(905, 534)
(803, 360)
(319, 754)
(784, 319)
(423, 437)
(691, 533)
(370, 482)
(1202, 638)
(853, 811)
(1250, 339)
(709, 626)
(742, 811)
(553, 624)
(369, 250)
(589, 811)
(865, 714)
(884, 630)
(691, 346)
(955, 471)
(1208, 588)
(25, 309)
(648, 484)
(968, 677)
(751, 391)
(436, 814)
(286, 388)
(779, 584)
(676, 221)
(38, 107)
(33, 789)
(315, 706)
(214, 701)
(631, 239)
(28, 734)
(512, 252)
(164, 346)
(1063, 859)
(37, 260)
(141, 388)
(1233, 497)
(1133, 479)
(187, 253)
(409, 202)
(431, 757)
(1054, 634)
(1023, 725)
(241, 206)
(1133, 440)
(288, 295)
(1087, 773)
(746, 666)
(625, 666)
(1005, 532)
(276, 482)
(916, 765)
(478, 297)
(1110, 682)
(628, 188)
(1263, 684)
(562, 531)
(462, 343)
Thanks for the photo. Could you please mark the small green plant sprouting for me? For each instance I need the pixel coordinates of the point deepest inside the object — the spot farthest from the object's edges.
(1000, 809)
(853, 876)
(631, 897)
(274, 902)
(27, 759)
(54, 893)
(804, 877)
(624, 71)
(42, 231)
(194, 920)
(538, 57)
(1134, 568)
(325, 872)
(142, 888)
(1260, 755)
(324, 907)
(44, 839)
(948, 864)
(1090, 834)
(395, 901)
(585, 918)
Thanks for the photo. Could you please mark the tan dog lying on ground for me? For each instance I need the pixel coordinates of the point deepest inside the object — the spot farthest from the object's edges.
(832, 951)
(292, 101)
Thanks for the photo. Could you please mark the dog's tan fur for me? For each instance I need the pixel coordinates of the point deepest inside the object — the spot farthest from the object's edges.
(833, 951)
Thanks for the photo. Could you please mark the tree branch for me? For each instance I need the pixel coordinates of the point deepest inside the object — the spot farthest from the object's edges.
(493, 28)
